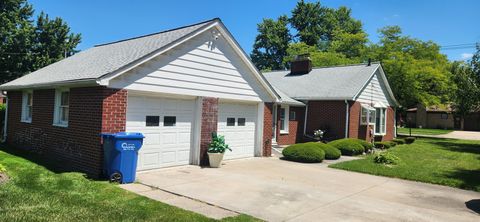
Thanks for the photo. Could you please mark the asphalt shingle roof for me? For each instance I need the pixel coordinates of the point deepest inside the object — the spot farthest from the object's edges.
(103, 59)
(328, 83)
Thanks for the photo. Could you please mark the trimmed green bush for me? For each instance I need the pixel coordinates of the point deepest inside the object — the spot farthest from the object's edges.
(391, 143)
(304, 153)
(383, 145)
(331, 152)
(409, 140)
(399, 141)
(349, 147)
(366, 145)
(386, 158)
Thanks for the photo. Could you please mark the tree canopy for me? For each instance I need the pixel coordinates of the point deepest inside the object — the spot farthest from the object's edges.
(416, 70)
(29, 44)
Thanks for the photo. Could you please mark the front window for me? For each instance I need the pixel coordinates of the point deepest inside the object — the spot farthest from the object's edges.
(381, 120)
(62, 107)
(367, 115)
(27, 106)
(284, 118)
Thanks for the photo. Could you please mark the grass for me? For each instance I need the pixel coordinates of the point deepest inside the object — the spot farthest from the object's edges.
(421, 131)
(34, 193)
(449, 162)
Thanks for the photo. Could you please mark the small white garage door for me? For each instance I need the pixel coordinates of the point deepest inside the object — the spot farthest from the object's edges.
(237, 123)
(167, 126)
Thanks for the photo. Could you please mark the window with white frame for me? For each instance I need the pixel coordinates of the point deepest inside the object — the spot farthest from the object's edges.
(284, 118)
(27, 106)
(367, 115)
(381, 121)
(62, 106)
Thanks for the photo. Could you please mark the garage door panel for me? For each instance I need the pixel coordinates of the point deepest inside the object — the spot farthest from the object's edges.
(164, 145)
(241, 139)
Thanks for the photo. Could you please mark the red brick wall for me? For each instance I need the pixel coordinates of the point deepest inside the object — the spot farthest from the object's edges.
(295, 127)
(390, 134)
(267, 129)
(76, 147)
(329, 115)
(209, 125)
(114, 115)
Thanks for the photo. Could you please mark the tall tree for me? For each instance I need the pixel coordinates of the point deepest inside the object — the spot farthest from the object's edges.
(475, 63)
(416, 70)
(318, 57)
(271, 44)
(26, 44)
(466, 94)
(307, 19)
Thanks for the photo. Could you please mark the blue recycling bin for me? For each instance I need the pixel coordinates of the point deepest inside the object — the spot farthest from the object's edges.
(120, 155)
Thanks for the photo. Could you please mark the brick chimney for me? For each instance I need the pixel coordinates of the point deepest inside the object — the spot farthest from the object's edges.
(301, 64)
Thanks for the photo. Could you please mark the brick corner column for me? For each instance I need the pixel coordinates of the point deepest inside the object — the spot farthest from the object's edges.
(209, 124)
(267, 129)
(114, 110)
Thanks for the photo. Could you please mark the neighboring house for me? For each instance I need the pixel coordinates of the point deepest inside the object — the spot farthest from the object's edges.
(432, 117)
(441, 117)
(346, 101)
(176, 87)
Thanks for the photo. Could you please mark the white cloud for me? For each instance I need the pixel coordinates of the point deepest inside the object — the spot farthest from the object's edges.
(466, 56)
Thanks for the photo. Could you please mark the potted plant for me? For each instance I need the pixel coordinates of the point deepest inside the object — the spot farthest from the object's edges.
(216, 150)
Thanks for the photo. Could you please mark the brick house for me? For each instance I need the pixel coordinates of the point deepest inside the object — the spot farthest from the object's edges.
(175, 86)
(353, 101)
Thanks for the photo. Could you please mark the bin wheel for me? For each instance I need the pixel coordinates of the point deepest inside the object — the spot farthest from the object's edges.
(116, 177)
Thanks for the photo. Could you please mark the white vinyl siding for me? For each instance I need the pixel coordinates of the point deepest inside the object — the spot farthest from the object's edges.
(27, 106)
(62, 107)
(375, 91)
(199, 67)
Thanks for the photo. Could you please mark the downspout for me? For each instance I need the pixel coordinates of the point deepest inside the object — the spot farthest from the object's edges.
(305, 120)
(5, 122)
(347, 115)
(395, 122)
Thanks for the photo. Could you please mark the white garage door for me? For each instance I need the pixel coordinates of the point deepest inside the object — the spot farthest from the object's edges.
(237, 123)
(166, 124)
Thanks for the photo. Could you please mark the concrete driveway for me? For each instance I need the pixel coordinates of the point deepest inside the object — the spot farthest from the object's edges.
(277, 190)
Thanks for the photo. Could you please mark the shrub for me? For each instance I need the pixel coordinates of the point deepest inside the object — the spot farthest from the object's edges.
(386, 158)
(349, 147)
(304, 152)
(331, 152)
(383, 145)
(391, 143)
(366, 145)
(409, 140)
(399, 141)
(2, 169)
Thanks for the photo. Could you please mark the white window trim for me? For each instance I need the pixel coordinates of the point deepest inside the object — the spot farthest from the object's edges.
(368, 108)
(24, 117)
(287, 119)
(56, 111)
(385, 122)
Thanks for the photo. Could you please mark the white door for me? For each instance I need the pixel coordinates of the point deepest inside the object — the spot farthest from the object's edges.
(237, 123)
(167, 126)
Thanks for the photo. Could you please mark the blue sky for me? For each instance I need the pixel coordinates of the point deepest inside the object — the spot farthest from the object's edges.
(101, 21)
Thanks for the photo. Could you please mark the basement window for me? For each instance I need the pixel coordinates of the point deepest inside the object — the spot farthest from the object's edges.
(27, 105)
(62, 107)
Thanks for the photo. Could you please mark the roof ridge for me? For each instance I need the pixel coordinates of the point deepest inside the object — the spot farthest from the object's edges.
(324, 67)
(156, 33)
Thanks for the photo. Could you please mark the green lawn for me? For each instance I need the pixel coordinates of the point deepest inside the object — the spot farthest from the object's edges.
(449, 162)
(35, 193)
(419, 131)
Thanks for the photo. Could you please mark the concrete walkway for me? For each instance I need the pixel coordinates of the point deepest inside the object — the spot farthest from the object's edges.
(462, 135)
(177, 200)
(277, 190)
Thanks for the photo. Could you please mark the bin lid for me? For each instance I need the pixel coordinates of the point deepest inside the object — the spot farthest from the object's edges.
(124, 135)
